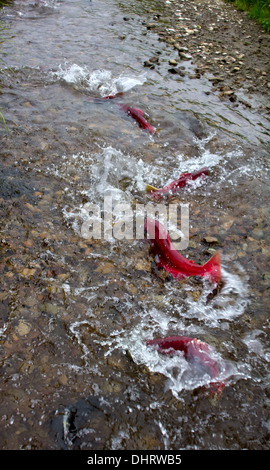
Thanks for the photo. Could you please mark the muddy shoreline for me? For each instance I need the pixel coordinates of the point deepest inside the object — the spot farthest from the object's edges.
(222, 43)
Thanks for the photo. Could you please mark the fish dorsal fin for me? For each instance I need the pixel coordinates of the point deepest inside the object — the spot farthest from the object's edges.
(150, 188)
(139, 111)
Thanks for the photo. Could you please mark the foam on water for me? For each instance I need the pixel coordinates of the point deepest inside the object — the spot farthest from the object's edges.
(30, 6)
(179, 373)
(109, 172)
(101, 81)
(255, 345)
(227, 305)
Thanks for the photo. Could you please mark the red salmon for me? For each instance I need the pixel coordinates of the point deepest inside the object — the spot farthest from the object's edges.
(174, 263)
(175, 185)
(138, 115)
(135, 113)
(194, 351)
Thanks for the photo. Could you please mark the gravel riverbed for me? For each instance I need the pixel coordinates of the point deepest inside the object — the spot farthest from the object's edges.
(222, 43)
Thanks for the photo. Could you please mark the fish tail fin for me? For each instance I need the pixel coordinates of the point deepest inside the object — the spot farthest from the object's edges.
(212, 268)
(150, 188)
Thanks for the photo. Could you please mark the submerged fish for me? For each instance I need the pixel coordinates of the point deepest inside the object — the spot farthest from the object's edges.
(138, 115)
(135, 113)
(194, 351)
(174, 263)
(175, 185)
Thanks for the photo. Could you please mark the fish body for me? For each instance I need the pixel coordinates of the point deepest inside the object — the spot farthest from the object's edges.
(177, 184)
(135, 113)
(138, 115)
(194, 350)
(173, 262)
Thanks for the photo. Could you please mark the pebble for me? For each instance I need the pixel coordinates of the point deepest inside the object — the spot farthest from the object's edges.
(195, 76)
(149, 64)
(23, 328)
(28, 272)
(181, 48)
(215, 79)
(105, 268)
(151, 25)
(228, 92)
(143, 265)
(184, 56)
(177, 71)
(210, 240)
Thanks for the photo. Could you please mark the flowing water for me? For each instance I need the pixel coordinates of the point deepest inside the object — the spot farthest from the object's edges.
(76, 312)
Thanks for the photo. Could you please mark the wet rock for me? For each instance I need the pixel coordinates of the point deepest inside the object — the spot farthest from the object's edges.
(154, 59)
(257, 233)
(32, 207)
(185, 56)
(266, 277)
(195, 126)
(151, 62)
(143, 265)
(181, 49)
(170, 40)
(148, 64)
(151, 25)
(215, 79)
(23, 328)
(195, 76)
(176, 71)
(173, 70)
(227, 225)
(210, 240)
(86, 421)
(112, 386)
(14, 184)
(105, 268)
(116, 360)
(51, 308)
(132, 289)
(228, 93)
(28, 272)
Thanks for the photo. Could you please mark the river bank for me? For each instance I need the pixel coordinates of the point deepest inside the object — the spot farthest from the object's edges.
(222, 43)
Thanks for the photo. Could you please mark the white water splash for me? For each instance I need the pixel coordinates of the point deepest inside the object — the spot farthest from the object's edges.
(101, 81)
(179, 373)
(254, 343)
(108, 172)
(227, 305)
